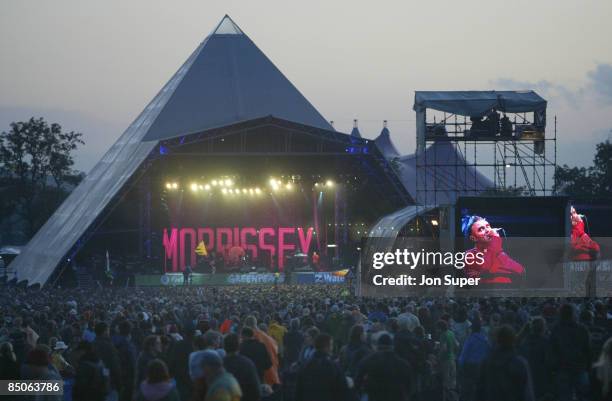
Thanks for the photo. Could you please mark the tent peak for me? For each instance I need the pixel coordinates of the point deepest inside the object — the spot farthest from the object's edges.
(227, 26)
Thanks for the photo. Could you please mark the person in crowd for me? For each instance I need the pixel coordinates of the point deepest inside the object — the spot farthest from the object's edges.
(151, 349)
(92, 378)
(447, 360)
(128, 357)
(9, 368)
(536, 349)
(309, 348)
(488, 261)
(321, 379)
(178, 363)
(37, 367)
(293, 343)
(105, 349)
(571, 353)
(271, 376)
(221, 385)
(602, 383)
(158, 385)
(242, 368)
(383, 375)
(475, 349)
(255, 350)
(58, 361)
(504, 374)
(277, 331)
(356, 349)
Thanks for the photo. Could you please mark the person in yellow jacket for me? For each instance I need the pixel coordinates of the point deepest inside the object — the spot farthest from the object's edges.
(271, 375)
(277, 331)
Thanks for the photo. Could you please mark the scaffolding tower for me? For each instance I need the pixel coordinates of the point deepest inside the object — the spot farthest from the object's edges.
(465, 147)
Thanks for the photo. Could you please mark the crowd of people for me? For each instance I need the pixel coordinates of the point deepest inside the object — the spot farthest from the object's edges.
(303, 343)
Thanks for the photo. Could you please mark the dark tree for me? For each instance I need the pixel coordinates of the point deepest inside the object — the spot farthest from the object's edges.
(36, 161)
(587, 182)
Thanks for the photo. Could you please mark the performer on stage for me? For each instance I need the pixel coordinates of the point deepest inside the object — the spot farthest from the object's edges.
(496, 266)
(583, 248)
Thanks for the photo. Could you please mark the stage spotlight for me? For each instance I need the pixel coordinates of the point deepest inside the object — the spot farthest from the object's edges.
(244, 190)
(174, 185)
(224, 191)
(329, 183)
(168, 185)
(214, 183)
(207, 187)
(272, 181)
(316, 184)
(434, 222)
(229, 183)
(289, 186)
(257, 191)
(251, 192)
(194, 187)
(200, 187)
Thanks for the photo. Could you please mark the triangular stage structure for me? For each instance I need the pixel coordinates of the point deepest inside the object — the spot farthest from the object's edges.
(226, 80)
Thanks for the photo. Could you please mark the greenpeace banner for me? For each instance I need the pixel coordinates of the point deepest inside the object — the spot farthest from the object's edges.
(264, 243)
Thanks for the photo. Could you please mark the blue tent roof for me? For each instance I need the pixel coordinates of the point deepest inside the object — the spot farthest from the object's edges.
(385, 145)
(478, 103)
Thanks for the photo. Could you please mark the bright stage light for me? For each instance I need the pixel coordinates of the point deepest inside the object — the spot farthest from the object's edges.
(289, 186)
(174, 185)
(194, 187)
(168, 185)
(257, 191)
(244, 190)
(329, 183)
(272, 182)
(316, 184)
(207, 187)
(223, 190)
(229, 183)
(434, 222)
(251, 191)
(214, 183)
(200, 187)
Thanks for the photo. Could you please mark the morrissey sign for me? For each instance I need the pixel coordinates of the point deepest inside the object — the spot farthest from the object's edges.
(275, 242)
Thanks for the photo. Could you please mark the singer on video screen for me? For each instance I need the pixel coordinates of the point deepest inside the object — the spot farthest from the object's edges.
(583, 248)
(496, 266)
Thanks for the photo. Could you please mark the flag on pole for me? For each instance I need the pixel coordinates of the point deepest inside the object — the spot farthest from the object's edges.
(201, 249)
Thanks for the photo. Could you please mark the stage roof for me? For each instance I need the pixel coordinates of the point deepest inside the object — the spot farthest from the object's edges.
(478, 103)
(226, 80)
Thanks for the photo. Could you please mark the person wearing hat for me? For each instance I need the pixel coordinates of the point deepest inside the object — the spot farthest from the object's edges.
(57, 358)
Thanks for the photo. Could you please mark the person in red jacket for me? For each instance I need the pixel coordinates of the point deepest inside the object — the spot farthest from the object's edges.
(493, 265)
(583, 248)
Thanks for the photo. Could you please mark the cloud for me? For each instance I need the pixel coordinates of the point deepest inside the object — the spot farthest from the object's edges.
(547, 89)
(601, 82)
